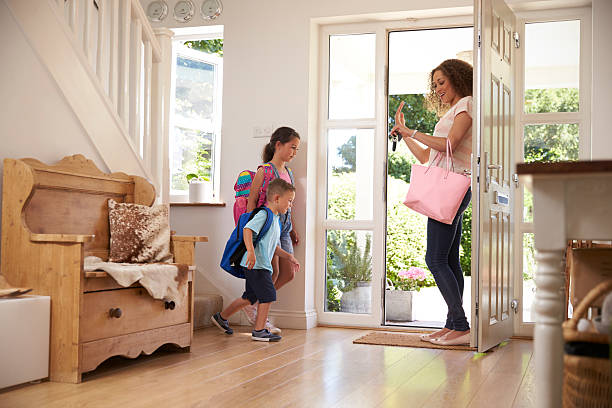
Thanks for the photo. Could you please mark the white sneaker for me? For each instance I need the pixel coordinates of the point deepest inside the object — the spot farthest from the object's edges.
(250, 311)
(271, 328)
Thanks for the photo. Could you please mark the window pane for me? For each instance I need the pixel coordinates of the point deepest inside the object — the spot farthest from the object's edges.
(551, 143)
(552, 63)
(351, 76)
(350, 165)
(195, 88)
(349, 271)
(192, 152)
(529, 269)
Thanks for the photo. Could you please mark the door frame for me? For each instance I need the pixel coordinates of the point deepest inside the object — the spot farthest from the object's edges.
(379, 124)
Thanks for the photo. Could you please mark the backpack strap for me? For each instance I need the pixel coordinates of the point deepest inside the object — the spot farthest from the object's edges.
(290, 175)
(264, 229)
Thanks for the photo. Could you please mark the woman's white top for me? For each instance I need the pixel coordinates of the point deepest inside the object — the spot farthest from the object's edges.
(462, 155)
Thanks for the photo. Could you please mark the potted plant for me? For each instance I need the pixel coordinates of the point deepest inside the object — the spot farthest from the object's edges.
(398, 296)
(199, 187)
(353, 268)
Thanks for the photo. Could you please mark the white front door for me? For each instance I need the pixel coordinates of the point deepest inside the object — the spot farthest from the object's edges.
(494, 103)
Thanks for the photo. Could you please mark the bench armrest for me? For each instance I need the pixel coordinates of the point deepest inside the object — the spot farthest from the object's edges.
(188, 238)
(75, 238)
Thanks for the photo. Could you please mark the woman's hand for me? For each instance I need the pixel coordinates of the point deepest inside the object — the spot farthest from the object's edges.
(295, 237)
(400, 124)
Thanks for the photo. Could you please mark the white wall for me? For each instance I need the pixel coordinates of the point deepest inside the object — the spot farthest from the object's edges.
(601, 104)
(267, 83)
(35, 120)
(270, 80)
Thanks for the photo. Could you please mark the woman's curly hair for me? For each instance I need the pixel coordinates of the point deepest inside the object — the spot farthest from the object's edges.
(459, 73)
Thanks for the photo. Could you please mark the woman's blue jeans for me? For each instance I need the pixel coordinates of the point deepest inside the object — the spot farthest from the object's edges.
(442, 259)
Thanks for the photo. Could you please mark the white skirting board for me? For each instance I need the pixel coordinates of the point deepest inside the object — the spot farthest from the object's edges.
(24, 339)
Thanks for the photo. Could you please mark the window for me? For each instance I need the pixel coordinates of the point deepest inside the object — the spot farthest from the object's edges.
(554, 116)
(195, 121)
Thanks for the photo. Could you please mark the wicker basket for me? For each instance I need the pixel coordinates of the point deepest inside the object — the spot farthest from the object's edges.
(586, 380)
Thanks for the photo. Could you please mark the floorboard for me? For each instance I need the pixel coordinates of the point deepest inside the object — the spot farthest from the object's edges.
(320, 367)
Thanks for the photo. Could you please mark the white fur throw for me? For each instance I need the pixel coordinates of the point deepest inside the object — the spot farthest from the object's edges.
(162, 281)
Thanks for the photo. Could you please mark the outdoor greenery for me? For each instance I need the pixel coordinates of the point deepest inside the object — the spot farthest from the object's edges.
(209, 46)
(347, 264)
(406, 230)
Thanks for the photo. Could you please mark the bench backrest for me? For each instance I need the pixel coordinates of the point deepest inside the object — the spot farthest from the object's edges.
(70, 197)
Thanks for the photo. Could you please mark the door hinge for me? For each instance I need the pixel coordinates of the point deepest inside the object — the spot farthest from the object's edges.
(517, 40)
(478, 40)
(477, 309)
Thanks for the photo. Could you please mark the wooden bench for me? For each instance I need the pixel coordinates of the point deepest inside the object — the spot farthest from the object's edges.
(53, 216)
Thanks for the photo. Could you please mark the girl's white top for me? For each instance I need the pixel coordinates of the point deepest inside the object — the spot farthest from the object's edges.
(462, 155)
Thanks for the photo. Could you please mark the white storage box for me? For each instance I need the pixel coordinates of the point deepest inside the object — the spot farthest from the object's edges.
(24, 339)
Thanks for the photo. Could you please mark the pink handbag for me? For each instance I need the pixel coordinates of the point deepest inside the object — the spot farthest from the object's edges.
(437, 192)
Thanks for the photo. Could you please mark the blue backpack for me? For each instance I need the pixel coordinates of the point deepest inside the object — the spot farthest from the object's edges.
(235, 248)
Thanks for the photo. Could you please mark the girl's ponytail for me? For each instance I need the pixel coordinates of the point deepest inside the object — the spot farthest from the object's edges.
(268, 152)
(282, 134)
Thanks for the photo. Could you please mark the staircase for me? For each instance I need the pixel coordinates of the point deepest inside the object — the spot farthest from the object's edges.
(114, 70)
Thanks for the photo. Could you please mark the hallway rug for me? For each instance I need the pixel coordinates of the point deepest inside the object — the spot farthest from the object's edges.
(404, 340)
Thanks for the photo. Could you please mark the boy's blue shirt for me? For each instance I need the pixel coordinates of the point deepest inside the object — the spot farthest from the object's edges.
(264, 251)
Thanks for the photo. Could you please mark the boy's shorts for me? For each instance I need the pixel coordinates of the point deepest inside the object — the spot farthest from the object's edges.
(259, 286)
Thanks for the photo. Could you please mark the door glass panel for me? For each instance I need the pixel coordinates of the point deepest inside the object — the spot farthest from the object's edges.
(349, 271)
(351, 76)
(529, 268)
(552, 63)
(551, 143)
(350, 166)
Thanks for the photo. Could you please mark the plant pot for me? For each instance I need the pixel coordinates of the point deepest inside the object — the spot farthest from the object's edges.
(199, 191)
(398, 305)
(357, 300)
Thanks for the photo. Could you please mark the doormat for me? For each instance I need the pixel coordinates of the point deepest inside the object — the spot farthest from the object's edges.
(403, 340)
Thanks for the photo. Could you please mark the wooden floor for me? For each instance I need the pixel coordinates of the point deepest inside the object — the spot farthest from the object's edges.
(320, 367)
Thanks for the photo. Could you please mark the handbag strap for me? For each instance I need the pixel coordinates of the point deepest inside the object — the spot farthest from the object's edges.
(449, 156)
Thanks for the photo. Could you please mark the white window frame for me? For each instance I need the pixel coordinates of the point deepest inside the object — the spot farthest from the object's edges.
(198, 34)
(582, 118)
(379, 123)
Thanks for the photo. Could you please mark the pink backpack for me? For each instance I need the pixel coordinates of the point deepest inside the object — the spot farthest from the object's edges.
(243, 188)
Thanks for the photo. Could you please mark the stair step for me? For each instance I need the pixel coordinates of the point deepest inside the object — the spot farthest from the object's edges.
(204, 307)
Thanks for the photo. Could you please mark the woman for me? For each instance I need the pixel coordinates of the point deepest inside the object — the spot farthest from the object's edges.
(450, 93)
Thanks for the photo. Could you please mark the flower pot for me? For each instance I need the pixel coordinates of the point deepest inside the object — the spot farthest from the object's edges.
(398, 305)
(199, 191)
(357, 300)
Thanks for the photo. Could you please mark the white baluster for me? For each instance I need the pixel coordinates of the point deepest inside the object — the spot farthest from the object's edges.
(87, 29)
(148, 58)
(135, 71)
(113, 81)
(125, 19)
(101, 64)
(73, 15)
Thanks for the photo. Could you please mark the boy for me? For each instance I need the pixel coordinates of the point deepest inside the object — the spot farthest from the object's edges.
(257, 263)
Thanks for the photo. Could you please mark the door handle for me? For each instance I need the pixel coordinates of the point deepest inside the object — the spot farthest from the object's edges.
(494, 167)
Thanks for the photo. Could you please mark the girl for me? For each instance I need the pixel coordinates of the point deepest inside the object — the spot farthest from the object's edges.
(450, 86)
(281, 149)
